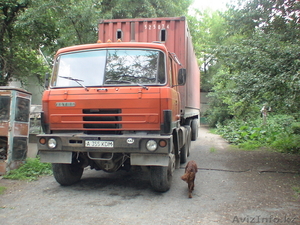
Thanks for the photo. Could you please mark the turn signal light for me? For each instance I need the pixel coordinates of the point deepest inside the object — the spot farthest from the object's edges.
(162, 143)
(42, 141)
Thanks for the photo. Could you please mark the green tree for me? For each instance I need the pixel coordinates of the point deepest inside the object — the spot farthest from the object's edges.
(147, 8)
(261, 69)
(259, 60)
(207, 30)
(20, 56)
(9, 13)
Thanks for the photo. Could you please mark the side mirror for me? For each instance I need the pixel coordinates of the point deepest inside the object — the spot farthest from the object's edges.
(47, 75)
(181, 76)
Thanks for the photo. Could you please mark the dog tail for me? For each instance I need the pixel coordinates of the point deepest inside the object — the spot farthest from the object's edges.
(185, 177)
(188, 176)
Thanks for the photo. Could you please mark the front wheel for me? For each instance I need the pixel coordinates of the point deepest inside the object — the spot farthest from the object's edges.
(161, 177)
(67, 174)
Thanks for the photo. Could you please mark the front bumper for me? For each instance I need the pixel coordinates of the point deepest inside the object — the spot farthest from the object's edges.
(132, 145)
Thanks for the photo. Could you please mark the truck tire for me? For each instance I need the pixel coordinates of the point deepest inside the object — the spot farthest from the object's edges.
(66, 174)
(194, 126)
(161, 176)
(185, 150)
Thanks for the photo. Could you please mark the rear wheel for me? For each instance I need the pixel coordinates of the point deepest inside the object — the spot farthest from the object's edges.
(194, 126)
(67, 174)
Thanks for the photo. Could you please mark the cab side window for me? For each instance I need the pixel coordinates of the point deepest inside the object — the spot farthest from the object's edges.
(161, 68)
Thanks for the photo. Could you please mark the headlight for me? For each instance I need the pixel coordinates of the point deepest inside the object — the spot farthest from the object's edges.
(151, 145)
(52, 143)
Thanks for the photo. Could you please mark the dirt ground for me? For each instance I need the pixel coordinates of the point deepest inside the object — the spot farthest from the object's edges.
(263, 185)
(232, 187)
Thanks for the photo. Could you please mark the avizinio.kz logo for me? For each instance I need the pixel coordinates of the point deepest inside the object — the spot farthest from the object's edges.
(271, 219)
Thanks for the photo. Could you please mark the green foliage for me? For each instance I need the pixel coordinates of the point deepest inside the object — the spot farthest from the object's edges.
(207, 30)
(252, 134)
(296, 128)
(19, 48)
(257, 61)
(9, 11)
(287, 143)
(31, 170)
(260, 69)
(217, 113)
(250, 56)
(147, 8)
(2, 189)
(268, 15)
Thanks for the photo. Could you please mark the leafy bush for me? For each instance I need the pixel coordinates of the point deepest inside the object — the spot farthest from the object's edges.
(287, 143)
(216, 116)
(31, 170)
(296, 128)
(279, 133)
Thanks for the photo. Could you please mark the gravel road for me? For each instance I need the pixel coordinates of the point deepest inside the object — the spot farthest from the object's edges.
(231, 187)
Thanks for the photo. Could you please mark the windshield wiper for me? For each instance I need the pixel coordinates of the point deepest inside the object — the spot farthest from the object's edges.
(118, 81)
(125, 82)
(77, 81)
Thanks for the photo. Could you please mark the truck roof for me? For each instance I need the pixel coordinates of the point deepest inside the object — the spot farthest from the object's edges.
(12, 88)
(155, 45)
(182, 18)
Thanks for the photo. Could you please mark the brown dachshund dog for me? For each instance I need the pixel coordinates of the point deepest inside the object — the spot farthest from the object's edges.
(190, 173)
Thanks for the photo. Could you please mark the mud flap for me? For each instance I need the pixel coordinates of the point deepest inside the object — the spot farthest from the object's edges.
(56, 157)
(149, 160)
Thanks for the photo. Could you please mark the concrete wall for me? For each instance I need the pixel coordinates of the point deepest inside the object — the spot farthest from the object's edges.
(34, 88)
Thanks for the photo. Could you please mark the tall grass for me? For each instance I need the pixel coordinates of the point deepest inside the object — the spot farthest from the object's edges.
(30, 170)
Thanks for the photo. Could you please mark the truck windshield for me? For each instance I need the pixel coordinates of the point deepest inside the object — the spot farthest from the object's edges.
(109, 68)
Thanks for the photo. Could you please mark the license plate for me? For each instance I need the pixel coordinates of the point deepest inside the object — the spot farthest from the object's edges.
(99, 144)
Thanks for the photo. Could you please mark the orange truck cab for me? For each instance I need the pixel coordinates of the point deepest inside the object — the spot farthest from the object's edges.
(130, 100)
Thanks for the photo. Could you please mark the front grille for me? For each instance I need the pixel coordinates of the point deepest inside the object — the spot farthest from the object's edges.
(102, 111)
(106, 119)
